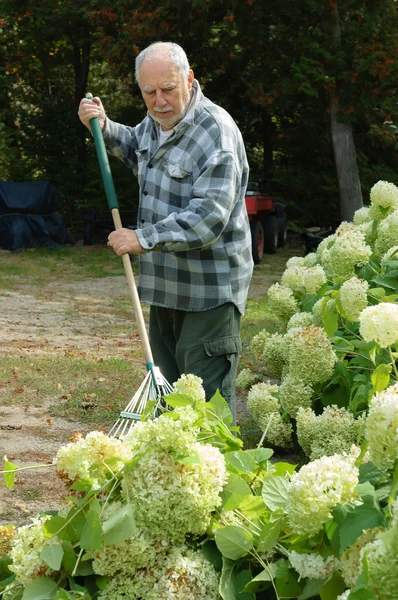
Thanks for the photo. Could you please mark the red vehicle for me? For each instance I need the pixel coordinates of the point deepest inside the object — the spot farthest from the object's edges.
(268, 222)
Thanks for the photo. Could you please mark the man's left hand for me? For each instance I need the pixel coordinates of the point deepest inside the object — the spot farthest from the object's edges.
(124, 241)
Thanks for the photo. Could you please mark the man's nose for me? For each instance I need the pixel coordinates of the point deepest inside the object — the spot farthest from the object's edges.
(160, 99)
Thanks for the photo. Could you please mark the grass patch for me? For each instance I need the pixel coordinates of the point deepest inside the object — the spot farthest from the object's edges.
(78, 388)
(40, 266)
(30, 494)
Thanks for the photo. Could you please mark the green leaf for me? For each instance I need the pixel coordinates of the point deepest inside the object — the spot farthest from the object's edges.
(386, 282)
(40, 588)
(235, 490)
(241, 580)
(311, 589)
(308, 302)
(14, 593)
(212, 554)
(275, 492)
(56, 525)
(281, 468)
(101, 582)
(252, 506)
(52, 555)
(4, 570)
(287, 580)
(333, 587)
(361, 517)
(381, 377)
(362, 594)
(64, 595)
(233, 541)
(120, 526)
(330, 323)
(240, 462)
(269, 535)
(76, 523)
(260, 455)
(69, 557)
(9, 471)
(337, 397)
(177, 400)
(192, 459)
(227, 581)
(265, 577)
(221, 408)
(91, 537)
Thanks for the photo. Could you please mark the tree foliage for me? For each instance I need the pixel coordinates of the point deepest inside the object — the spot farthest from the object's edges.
(274, 67)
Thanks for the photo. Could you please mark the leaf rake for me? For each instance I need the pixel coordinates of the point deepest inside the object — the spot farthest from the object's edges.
(148, 401)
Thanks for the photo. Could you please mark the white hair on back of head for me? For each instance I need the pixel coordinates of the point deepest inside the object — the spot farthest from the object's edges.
(172, 51)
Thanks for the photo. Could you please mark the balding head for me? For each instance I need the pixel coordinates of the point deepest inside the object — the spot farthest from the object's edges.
(163, 51)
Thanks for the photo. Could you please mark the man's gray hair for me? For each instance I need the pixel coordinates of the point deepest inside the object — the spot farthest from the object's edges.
(172, 51)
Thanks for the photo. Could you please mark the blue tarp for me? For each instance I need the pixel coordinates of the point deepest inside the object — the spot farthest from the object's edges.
(29, 216)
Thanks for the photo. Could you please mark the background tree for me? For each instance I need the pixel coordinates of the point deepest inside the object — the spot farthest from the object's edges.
(274, 66)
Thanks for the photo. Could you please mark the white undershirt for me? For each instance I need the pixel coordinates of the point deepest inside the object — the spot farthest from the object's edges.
(163, 135)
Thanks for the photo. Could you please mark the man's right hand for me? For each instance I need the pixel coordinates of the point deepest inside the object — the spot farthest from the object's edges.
(88, 109)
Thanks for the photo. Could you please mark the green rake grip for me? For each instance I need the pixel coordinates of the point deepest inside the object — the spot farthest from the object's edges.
(113, 204)
(103, 161)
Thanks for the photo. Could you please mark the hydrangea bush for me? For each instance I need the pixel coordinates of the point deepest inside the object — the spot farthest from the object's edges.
(184, 512)
(335, 347)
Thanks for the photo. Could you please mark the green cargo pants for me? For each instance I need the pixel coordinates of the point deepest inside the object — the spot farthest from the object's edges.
(206, 344)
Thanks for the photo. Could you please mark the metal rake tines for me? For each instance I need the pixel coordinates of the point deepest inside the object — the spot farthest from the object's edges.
(153, 389)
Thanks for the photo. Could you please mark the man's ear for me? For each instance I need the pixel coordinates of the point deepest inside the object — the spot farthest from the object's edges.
(191, 77)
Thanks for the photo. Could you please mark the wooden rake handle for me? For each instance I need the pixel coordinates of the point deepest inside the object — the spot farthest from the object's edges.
(113, 204)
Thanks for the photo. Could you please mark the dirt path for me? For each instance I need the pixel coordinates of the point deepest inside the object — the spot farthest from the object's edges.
(79, 318)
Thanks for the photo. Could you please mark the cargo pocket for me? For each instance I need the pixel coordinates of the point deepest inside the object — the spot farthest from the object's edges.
(225, 352)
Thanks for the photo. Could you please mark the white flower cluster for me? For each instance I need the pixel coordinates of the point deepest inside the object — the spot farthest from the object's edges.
(247, 378)
(275, 354)
(325, 303)
(382, 427)
(299, 320)
(311, 356)
(264, 406)
(317, 488)
(281, 302)
(353, 297)
(139, 551)
(190, 385)
(384, 194)
(347, 251)
(175, 482)
(295, 394)
(257, 344)
(94, 456)
(361, 216)
(262, 399)
(332, 432)
(379, 324)
(391, 254)
(387, 233)
(179, 574)
(313, 566)
(26, 547)
(304, 280)
(350, 560)
(381, 557)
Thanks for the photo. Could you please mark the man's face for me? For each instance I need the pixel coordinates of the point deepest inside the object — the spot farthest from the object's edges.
(165, 90)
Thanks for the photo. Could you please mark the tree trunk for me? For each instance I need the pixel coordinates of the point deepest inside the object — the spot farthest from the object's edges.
(344, 148)
(346, 165)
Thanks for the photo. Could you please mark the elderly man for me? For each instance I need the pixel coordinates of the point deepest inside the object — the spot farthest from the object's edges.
(193, 234)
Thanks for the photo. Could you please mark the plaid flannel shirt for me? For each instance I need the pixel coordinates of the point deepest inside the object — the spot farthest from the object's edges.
(192, 219)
